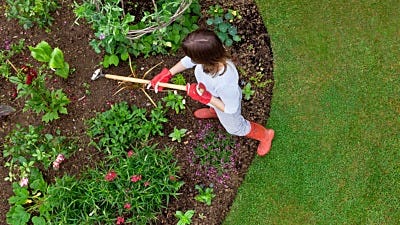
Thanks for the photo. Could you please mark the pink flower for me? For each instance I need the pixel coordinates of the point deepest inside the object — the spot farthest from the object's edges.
(120, 220)
(136, 178)
(172, 178)
(127, 206)
(130, 153)
(60, 158)
(23, 182)
(56, 165)
(147, 183)
(110, 176)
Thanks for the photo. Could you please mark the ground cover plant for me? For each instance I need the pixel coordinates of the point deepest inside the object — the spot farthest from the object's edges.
(127, 139)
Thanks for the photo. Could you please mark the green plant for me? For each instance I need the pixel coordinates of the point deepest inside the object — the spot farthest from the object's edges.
(177, 134)
(175, 101)
(29, 202)
(11, 50)
(118, 127)
(43, 52)
(248, 92)
(26, 148)
(258, 78)
(32, 86)
(112, 27)
(31, 12)
(184, 218)
(178, 79)
(221, 20)
(205, 194)
(132, 186)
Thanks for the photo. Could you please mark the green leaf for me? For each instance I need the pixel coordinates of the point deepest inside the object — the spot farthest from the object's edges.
(223, 27)
(110, 59)
(38, 220)
(17, 216)
(41, 52)
(56, 59)
(63, 71)
(21, 195)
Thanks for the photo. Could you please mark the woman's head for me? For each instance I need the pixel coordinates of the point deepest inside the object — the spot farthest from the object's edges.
(204, 47)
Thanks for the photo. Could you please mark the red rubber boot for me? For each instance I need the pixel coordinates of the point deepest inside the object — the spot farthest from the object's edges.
(262, 134)
(205, 113)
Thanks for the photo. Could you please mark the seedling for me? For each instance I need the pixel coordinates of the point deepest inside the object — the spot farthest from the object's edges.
(177, 134)
(175, 101)
(248, 92)
(184, 218)
(205, 194)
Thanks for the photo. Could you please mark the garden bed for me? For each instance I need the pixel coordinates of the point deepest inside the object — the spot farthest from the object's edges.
(252, 56)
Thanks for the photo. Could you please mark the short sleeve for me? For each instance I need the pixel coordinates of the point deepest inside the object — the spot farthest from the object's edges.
(187, 62)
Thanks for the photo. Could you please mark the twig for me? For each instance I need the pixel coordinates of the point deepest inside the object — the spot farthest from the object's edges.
(148, 96)
(12, 65)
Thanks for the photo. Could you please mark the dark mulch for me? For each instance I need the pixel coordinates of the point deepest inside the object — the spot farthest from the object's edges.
(253, 54)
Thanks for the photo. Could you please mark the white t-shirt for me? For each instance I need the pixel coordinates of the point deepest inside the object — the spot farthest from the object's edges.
(223, 86)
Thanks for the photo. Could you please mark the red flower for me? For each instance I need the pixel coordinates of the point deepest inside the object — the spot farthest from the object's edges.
(28, 80)
(127, 206)
(172, 178)
(130, 153)
(147, 183)
(136, 178)
(120, 220)
(110, 176)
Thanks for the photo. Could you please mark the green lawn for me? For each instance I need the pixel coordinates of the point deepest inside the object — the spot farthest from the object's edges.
(335, 110)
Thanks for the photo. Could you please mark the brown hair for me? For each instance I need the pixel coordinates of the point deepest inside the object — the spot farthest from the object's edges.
(204, 47)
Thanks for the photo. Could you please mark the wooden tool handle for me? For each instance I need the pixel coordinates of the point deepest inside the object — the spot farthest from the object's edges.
(143, 81)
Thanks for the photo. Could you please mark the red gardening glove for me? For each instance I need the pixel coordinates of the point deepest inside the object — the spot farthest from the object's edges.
(198, 92)
(164, 76)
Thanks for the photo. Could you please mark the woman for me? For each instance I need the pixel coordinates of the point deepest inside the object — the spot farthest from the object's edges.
(217, 86)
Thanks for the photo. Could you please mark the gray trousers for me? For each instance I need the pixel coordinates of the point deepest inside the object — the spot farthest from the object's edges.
(235, 123)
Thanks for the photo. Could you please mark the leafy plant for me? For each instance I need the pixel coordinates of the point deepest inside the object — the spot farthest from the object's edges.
(184, 218)
(26, 148)
(11, 49)
(32, 86)
(112, 27)
(177, 134)
(179, 79)
(118, 127)
(134, 186)
(175, 101)
(32, 12)
(205, 194)
(29, 201)
(54, 57)
(221, 20)
(248, 92)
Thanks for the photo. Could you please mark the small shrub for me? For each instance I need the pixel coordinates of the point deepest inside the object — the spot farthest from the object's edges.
(221, 21)
(26, 148)
(29, 13)
(118, 127)
(31, 85)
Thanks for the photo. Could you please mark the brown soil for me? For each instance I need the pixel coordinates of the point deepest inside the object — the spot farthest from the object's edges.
(253, 54)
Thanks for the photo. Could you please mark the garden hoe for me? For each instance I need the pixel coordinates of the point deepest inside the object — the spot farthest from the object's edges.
(98, 73)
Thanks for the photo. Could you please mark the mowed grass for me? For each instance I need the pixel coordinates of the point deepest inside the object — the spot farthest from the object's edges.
(336, 105)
